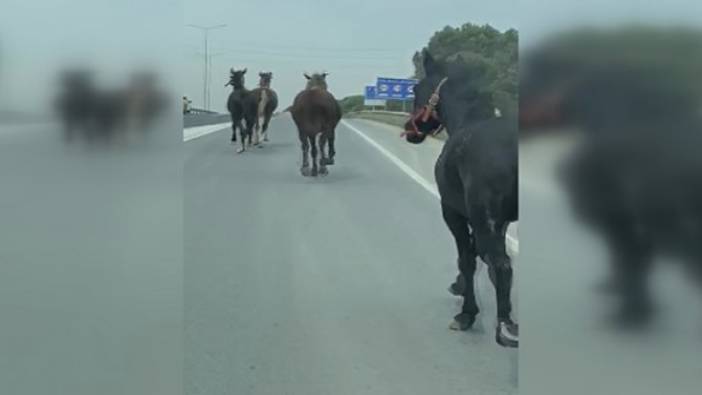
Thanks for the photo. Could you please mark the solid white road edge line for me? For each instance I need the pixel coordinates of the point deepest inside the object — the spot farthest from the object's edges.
(199, 131)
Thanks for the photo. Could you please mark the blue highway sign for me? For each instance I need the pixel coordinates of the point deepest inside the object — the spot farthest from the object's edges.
(395, 88)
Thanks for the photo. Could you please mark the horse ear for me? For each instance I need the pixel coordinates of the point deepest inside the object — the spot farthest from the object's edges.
(430, 65)
(231, 70)
(325, 75)
(261, 74)
(243, 71)
(307, 76)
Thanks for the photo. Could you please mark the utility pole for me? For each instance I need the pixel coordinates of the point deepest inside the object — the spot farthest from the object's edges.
(209, 78)
(205, 77)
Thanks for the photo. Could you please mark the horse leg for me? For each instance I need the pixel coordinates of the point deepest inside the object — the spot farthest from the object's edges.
(266, 121)
(332, 151)
(250, 126)
(257, 130)
(322, 142)
(242, 135)
(305, 145)
(490, 235)
(458, 225)
(313, 152)
(234, 126)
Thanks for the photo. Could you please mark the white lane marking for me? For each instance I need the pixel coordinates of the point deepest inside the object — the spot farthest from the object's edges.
(199, 131)
(430, 187)
(512, 243)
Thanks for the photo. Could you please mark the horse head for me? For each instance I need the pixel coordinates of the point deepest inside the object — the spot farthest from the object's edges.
(317, 81)
(449, 93)
(236, 78)
(266, 78)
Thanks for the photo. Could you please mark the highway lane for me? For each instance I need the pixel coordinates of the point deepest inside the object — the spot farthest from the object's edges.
(332, 285)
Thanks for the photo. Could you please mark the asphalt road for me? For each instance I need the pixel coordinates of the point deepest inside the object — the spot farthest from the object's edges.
(332, 285)
(294, 285)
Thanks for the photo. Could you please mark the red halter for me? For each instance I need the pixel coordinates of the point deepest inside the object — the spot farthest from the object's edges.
(425, 113)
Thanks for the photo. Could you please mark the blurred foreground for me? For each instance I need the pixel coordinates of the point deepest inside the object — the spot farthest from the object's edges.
(611, 126)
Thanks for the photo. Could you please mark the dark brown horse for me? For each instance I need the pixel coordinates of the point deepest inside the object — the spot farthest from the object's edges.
(242, 107)
(267, 102)
(316, 114)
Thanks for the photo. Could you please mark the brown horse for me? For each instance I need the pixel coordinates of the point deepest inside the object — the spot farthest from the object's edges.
(267, 101)
(316, 114)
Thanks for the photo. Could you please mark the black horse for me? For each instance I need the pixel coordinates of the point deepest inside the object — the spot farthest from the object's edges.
(242, 107)
(316, 113)
(267, 102)
(476, 175)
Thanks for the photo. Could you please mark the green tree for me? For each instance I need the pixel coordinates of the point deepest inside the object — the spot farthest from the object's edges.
(483, 48)
(351, 104)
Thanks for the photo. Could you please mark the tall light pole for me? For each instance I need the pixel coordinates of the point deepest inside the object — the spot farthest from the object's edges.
(208, 102)
(206, 31)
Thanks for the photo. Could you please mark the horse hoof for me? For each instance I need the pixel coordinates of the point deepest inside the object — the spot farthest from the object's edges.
(462, 322)
(260, 146)
(327, 161)
(240, 150)
(323, 171)
(265, 139)
(305, 171)
(507, 334)
(314, 172)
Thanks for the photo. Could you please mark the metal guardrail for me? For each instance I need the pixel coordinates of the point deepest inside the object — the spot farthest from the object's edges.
(200, 111)
(389, 117)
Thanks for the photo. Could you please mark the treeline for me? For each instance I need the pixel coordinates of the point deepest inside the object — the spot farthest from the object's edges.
(492, 54)
(484, 49)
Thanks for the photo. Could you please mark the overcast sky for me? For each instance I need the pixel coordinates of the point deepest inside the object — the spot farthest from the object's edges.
(354, 40)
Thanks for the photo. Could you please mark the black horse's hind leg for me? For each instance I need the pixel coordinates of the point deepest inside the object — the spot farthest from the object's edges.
(458, 225)
(313, 152)
(305, 146)
(490, 235)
